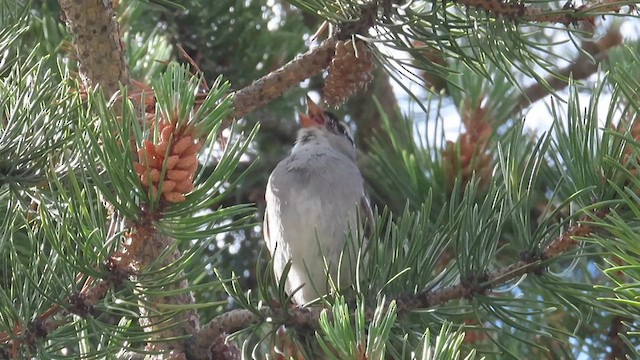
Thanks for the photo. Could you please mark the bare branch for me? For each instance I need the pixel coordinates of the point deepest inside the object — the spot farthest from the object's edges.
(569, 14)
(274, 84)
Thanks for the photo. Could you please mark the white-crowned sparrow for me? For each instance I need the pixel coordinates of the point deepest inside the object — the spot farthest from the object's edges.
(315, 196)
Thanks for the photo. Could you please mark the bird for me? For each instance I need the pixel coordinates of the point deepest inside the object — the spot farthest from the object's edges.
(314, 198)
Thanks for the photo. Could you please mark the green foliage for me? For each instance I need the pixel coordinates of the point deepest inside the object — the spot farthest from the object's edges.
(215, 34)
(354, 339)
(499, 226)
(56, 231)
(446, 345)
(398, 261)
(67, 185)
(31, 133)
(413, 169)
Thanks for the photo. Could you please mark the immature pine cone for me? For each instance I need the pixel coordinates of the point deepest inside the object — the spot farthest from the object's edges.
(469, 154)
(349, 71)
(469, 159)
(178, 157)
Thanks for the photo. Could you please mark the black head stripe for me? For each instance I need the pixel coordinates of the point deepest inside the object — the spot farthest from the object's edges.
(343, 129)
(337, 127)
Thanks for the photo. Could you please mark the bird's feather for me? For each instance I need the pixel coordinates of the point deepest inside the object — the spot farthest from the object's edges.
(315, 197)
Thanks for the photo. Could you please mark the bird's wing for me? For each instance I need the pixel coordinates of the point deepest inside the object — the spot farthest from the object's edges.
(366, 215)
(265, 227)
(265, 223)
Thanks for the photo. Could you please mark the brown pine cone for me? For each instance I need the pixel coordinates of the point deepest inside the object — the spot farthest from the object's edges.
(350, 71)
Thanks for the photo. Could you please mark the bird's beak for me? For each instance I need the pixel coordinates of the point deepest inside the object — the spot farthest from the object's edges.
(314, 117)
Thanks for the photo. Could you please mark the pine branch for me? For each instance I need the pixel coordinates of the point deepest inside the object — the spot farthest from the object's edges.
(121, 267)
(274, 84)
(568, 15)
(101, 58)
(80, 304)
(199, 345)
(147, 248)
(586, 64)
(96, 38)
(531, 264)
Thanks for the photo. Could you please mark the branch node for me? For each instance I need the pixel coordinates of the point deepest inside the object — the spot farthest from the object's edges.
(531, 257)
(36, 330)
(80, 306)
(368, 14)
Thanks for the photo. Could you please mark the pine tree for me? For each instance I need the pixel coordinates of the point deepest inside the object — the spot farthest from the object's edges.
(136, 139)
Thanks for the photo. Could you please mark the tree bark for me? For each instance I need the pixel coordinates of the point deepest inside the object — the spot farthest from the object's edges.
(96, 38)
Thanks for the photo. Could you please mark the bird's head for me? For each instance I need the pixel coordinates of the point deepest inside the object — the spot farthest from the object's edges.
(325, 122)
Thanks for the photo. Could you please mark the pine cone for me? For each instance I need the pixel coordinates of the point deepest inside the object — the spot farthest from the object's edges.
(349, 71)
(464, 158)
(431, 79)
(469, 155)
(178, 159)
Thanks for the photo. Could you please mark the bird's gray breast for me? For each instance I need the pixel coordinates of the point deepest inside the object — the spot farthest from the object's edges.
(317, 189)
(328, 175)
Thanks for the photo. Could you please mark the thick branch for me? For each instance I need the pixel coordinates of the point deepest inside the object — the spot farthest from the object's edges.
(199, 346)
(274, 84)
(568, 15)
(96, 38)
(146, 248)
